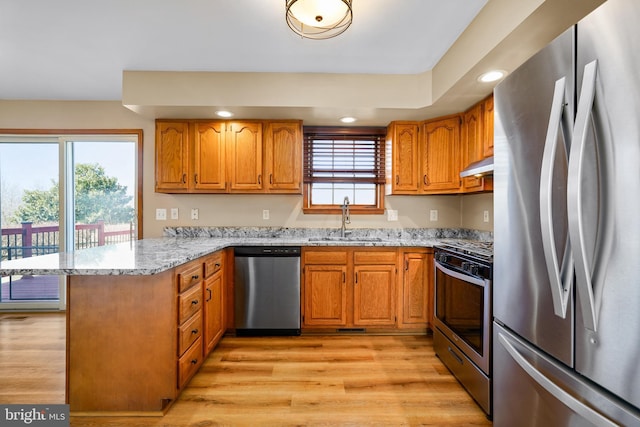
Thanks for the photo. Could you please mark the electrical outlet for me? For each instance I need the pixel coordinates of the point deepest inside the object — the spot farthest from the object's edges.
(486, 216)
(433, 215)
(174, 213)
(265, 214)
(161, 214)
(392, 215)
(194, 213)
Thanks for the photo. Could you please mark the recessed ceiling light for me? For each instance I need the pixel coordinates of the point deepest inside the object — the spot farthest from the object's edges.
(348, 119)
(492, 76)
(223, 113)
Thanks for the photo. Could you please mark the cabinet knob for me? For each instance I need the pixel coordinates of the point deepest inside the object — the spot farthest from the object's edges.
(194, 331)
(195, 302)
(194, 361)
(195, 277)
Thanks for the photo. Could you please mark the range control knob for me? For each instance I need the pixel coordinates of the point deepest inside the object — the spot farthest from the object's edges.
(443, 257)
(474, 269)
(465, 265)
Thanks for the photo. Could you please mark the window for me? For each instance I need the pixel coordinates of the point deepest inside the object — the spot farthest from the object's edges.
(344, 162)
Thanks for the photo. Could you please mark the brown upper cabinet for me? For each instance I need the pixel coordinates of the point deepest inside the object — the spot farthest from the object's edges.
(200, 156)
(427, 157)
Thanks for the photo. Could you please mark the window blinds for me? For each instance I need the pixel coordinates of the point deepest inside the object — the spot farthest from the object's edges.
(344, 155)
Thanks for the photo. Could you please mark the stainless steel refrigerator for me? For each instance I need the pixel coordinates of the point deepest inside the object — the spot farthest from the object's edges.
(566, 289)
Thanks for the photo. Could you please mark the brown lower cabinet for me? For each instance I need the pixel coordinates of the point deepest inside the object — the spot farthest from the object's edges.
(417, 288)
(134, 342)
(363, 288)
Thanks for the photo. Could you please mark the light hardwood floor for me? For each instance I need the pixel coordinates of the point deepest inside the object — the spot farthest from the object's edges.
(309, 380)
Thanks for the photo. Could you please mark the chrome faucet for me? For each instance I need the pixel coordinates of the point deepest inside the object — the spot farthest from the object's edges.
(346, 218)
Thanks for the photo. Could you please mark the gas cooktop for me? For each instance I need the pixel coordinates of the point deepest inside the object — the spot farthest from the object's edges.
(478, 249)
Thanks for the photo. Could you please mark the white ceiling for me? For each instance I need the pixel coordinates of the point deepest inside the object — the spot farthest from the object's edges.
(78, 49)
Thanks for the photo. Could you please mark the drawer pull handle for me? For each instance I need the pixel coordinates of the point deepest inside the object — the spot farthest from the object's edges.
(195, 302)
(217, 265)
(195, 277)
(194, 331)
(210, 294)
(194, 361)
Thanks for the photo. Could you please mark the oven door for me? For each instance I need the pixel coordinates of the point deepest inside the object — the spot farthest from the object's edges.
(463, 312)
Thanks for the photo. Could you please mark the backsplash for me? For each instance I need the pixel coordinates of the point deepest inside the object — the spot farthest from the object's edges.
(283, 232)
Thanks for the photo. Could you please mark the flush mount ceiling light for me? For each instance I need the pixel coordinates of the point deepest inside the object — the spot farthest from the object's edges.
(319, 19)
(492, 76)
(348, 119)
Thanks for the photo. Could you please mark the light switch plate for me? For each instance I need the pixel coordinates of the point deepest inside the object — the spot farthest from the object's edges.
(392, 215)
(265, 214)
(161, 214)
(433, 215)
(174, 213)
(486, 216)
(194, 213)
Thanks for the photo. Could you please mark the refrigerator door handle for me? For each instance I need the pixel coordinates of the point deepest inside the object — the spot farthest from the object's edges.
(556, 391)
(560, 278)
(574, 197)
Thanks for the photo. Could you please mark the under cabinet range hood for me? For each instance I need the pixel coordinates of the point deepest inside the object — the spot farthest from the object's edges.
(480, 168)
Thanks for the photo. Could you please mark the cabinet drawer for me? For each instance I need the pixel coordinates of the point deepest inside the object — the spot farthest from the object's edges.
(189, 363)
(213, 264)
(325, 257)
(189, 331)
(189, 302)
(373, 257)
(189, 275)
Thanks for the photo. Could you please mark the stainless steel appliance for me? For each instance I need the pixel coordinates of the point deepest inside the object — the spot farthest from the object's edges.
(566, 297)
(462, 300)
(267, 290)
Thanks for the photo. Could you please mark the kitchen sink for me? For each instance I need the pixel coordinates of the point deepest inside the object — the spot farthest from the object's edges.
(345, 239)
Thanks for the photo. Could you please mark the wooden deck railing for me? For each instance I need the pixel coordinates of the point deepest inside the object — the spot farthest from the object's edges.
(27, 240)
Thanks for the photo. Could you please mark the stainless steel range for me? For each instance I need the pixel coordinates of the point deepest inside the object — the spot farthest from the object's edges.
(462, 299)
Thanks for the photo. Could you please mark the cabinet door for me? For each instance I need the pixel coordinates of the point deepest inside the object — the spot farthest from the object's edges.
(172, 156)
(245, 156)
(487, 128)
(416, 279)
(209, 157)
(325, 296)
(213, 311)
(406, 174)
(473, 149)
(441, 156)
(374, 292)
(283, 157)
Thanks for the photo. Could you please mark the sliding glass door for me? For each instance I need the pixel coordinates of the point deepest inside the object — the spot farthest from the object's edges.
(63, 193)
(30, 219)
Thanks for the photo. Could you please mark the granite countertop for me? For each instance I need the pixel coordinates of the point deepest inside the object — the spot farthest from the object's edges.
(181, 245)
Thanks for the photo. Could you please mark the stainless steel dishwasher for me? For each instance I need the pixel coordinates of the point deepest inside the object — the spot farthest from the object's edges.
(267, 290)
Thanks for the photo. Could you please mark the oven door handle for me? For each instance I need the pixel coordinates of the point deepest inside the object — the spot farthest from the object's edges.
(461, 276)
(560, 276)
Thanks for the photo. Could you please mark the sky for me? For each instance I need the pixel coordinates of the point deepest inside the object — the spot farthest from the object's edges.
(35, 166)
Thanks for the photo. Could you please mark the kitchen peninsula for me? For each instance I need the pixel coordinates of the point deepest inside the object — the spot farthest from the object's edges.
(140, 318)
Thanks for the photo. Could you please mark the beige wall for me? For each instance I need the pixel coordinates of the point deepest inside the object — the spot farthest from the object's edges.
(234, 210)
